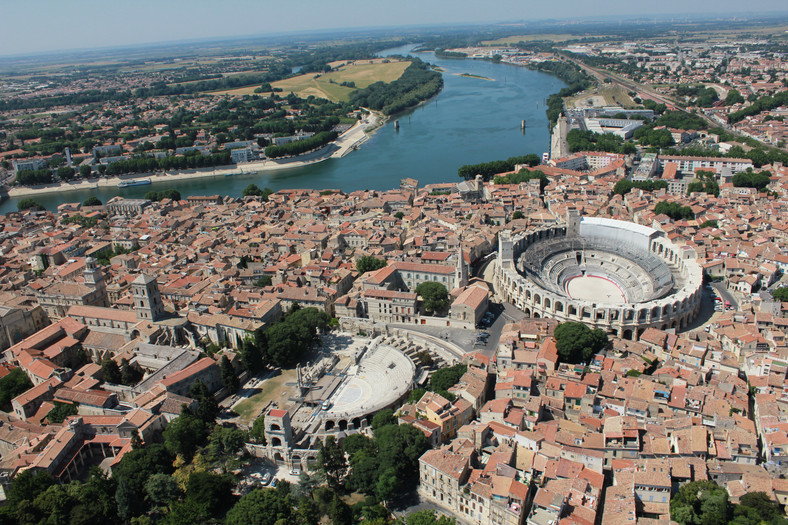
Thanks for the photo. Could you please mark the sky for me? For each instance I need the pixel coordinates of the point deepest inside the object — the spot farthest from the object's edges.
(34, 26)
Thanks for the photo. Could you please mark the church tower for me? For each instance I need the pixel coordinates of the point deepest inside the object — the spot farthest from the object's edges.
(94, 278)
(461, 270)
(147, 300)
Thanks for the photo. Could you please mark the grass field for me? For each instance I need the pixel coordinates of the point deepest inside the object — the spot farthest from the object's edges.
(362, 73)
(613, 95)
(272, 390)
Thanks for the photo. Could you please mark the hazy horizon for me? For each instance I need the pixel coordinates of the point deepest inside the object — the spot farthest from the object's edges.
(37, 26)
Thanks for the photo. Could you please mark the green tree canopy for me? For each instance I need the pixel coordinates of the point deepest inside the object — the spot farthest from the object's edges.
(674, 210)
(11, 385)
(445, 378)
(92, 200)
(211, 491)
(184, 434)
(61, 411)
(331, 461)
(781, 294)
(434, 296)
(261, 507)
(27, 204)
(576, 342)
(700, 502)
(750, 179)
(369, 263)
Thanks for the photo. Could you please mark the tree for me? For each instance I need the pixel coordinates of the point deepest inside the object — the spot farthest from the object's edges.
(425, 517)
(434, 296)
(750, 179)
(224, 442)
(161, 489)
(156, 196)
(11, 385)
(207, 407)
(138, 465)
(700, 502)
(110, 371)
(517, 215)
(369, 263)
(26, 204)
(446, 377)
(92, 201)
(781, 294)
(251, 354)
(130, 374)
(210, 491)
(252, 191)
(340, 512)
(261, 507)
(399, 215)
(184, 434)
(733, 97)
(263, 281)
(61, 411)
(85, 170)
(383, 417)
(576, 342)
(757, 508)
(332, 463)
(674, 210)
(258, 430)
(229, 378)
(416, 394)
(126, 499)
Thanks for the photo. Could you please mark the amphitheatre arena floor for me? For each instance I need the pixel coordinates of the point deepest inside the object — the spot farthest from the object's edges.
(595, 289)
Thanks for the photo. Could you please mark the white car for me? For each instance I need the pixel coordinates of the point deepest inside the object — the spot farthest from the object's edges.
(295, 472)
(266, 478)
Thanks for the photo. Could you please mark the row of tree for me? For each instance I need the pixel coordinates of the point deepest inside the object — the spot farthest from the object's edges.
(764, 103)
(298, 147)
(488, 170)
(624, 186)
(522, 176)
(174, 162)
(580, 140)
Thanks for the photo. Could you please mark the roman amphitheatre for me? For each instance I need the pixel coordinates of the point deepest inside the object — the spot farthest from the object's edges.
(619, 276)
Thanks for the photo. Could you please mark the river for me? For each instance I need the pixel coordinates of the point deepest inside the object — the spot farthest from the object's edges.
(471, 120)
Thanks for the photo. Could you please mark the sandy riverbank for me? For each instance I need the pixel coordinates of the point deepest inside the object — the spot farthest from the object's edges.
(345, 143)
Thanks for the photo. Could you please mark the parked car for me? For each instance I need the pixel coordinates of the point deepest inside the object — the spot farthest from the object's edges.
(295, 472)
(266, 478)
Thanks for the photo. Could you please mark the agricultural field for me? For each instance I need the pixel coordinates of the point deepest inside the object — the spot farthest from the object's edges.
(508, 40)
(328, 85)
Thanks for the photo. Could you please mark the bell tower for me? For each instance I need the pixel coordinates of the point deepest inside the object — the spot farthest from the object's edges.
(461, 270)
(147, 300)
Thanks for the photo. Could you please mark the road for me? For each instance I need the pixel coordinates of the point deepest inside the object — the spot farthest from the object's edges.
(725, 294)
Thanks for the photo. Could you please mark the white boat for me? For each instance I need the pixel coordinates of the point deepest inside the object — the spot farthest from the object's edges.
(133, 182)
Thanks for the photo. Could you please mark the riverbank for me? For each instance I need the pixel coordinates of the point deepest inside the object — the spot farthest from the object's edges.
(344, 144)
